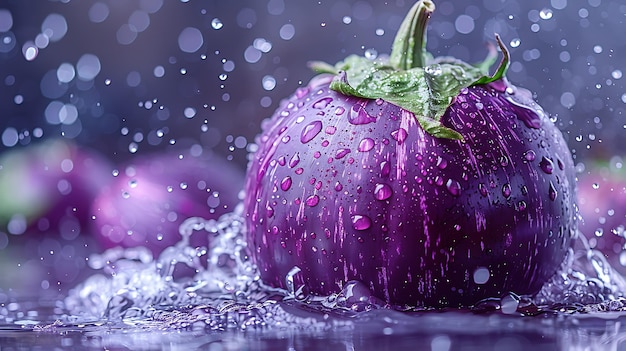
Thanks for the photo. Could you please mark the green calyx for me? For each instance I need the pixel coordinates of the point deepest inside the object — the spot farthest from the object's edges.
(410, 78)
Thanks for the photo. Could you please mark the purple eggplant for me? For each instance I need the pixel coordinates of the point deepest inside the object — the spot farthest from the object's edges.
(152, 195)
(426, 179)
(49, 187)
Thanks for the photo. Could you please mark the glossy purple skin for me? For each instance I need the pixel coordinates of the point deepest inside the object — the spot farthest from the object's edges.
(354, 189)
(152, 196)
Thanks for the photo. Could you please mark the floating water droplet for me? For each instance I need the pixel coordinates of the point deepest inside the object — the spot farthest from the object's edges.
(310, 131)
(382, 191)
(217, 24)
(545, 14)
(361, 222)
(371, 54)
(481, 275)
(515, 42)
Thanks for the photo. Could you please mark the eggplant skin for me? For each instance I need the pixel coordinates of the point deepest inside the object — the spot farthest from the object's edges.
(347, 189)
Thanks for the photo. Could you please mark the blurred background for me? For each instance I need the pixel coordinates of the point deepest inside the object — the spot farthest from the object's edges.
(99, 98)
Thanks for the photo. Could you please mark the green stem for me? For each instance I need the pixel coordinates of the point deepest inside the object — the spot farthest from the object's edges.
(408, 50)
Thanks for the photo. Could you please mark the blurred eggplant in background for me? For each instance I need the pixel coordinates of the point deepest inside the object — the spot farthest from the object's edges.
(48, 187)
(152, 195)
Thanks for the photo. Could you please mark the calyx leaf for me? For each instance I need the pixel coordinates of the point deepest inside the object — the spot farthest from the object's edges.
(410, 78)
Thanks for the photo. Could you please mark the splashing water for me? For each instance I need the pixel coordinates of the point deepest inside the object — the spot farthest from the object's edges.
(217, 288)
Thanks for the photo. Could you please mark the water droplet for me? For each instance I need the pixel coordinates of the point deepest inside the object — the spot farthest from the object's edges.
(371, 54)
(295, 159)
(217, 24)
(399, 135)
(438, 181)
(358, 115)
(322, 103)
(481, 275)
(453, 187)
(482, 189)
(301, 92)
(442, 163)
(312, 200)
(361, 222)
(509, 304)
(269, 211)
(521, 205)
(385, 169)
(433, 70)
(506, 190)
(310, 131)
(340, 110)
(530, 155)
(285, 184)
(546, 165)
(504, 161)
(366, 145)
(338, 186)
(341, 153)
(552, 193)
(515, 42)
(331, 130)
(382, 191)
(524, 190)
(545, 14)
